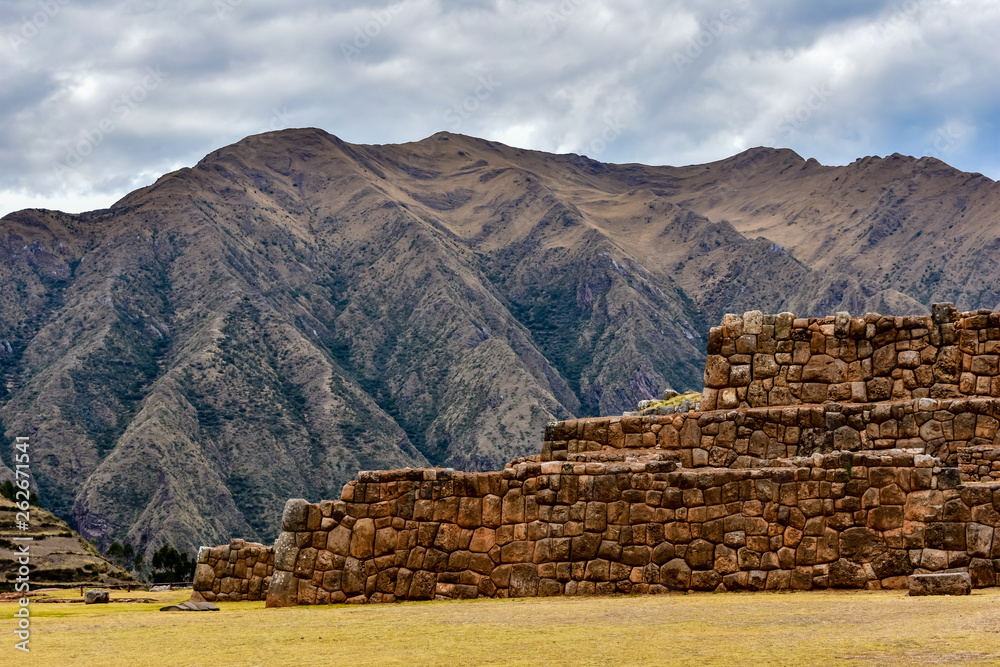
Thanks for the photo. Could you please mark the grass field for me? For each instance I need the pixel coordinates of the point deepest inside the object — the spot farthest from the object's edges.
(814, 628)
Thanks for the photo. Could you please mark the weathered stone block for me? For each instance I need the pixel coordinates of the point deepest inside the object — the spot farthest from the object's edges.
(676, 574)
(296, 515)
(363, 539)
(846, 574)
(523, 580)
(940, 583)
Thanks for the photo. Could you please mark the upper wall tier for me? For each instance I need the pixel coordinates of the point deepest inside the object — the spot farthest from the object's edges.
(773, 360)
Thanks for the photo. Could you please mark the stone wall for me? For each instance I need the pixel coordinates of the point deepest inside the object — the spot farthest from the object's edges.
(238, 571)
(830, 452)
(982, 463)
(740, 438)
(776, 360)
(855, 520)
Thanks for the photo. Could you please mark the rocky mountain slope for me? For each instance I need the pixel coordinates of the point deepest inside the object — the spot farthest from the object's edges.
(295, 308)
(57, 553)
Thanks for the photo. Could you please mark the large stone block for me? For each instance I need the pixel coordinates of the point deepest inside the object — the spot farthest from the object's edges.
(948, 365)
(824, 368)
(941, 583)
(423, 585)
(700, 555)
(204, 575)
(676, 574)
(979, 539)
(470, 512)
(296, 515)
(716, 372)
(892, 563)
(354, 578)
(846, 574)
(513, 507)
(363, 539)
(523, 580)
(286, 551)
(859, 542)
(283, 590)
(923, 505)
(753, 322)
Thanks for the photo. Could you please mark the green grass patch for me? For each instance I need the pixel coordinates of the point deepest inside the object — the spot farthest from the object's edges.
(692, 396)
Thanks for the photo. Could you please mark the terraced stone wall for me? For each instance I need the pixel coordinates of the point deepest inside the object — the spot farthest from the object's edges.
(777, 360)
(830, 452)
(740, 438)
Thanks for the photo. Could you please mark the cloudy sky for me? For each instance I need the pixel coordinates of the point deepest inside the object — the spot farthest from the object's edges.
(99, 97)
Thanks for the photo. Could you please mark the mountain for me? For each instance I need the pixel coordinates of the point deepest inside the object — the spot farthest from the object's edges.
(295, 308)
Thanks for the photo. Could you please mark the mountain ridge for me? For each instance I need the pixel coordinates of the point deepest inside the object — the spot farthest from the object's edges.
(293, 308)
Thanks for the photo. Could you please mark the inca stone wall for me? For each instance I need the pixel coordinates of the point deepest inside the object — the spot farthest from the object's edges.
(740, 438)
(854, 520)
(238, 571)
(842, 452)
(775, 360)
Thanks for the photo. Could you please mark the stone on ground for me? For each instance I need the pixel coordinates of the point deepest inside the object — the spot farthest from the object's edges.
(190, 606)
(941, 583)
(96, 596)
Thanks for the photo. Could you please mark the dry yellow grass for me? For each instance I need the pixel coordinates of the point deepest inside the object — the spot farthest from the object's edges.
(816, 628)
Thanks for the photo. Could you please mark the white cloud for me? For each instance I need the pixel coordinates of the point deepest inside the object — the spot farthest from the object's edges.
(663, 82)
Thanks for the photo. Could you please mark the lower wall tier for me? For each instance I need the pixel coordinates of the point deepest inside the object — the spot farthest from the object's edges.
(853, 520)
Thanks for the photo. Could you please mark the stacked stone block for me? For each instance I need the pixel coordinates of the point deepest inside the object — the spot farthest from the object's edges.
(980, 463)
(743, 438)
(775, 360)
(238, 571)
(851, 520)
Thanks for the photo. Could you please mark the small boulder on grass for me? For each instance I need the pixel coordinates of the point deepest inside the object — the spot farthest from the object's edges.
(96, 596)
